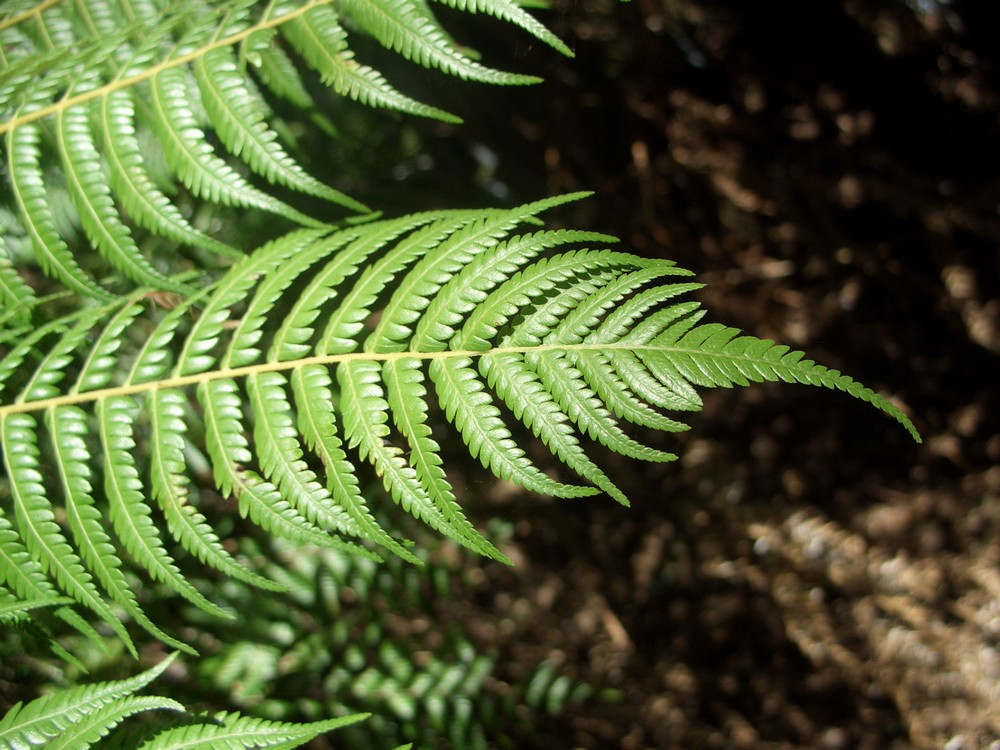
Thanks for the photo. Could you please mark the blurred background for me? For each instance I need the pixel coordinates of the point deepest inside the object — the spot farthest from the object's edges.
(806, 576)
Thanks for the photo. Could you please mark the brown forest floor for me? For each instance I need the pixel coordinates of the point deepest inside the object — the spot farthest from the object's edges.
(805, 576)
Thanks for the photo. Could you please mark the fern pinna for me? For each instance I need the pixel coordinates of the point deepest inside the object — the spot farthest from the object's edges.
(331, 347)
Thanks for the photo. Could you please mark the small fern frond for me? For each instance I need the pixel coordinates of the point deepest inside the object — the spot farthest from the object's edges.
(429, 688)
(80, 717)
(328, 349)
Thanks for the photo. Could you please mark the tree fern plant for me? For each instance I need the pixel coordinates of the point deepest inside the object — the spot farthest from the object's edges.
(285, 369)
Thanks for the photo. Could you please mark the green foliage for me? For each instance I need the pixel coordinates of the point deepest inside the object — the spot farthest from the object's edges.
(79, 717)
(155, 368)
(574, 341)
(353, 635)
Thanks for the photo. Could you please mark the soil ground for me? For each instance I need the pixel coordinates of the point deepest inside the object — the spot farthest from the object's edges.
(806, 575)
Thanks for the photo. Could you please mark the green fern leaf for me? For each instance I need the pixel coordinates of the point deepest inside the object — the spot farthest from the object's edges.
(45, 718)
(512, 12)
(192, 158)
(406, 401)
(24, 576)
(459, 315)
(468, 405)
(230, 731)
(134, 189)
(130, 512)
(96, 725)
(13, 609)
(28, 184)
(237, 112)
(18, 298)
(279, 74)
(407, 28)
(92, 197)
(68, 426)
(280, 455)
(77, 718)
(317, 423)
(322, 42)
(172, 491)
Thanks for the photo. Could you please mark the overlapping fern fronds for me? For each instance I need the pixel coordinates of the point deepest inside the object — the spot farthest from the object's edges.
(95, 96)
(332, 348)
(354, 635)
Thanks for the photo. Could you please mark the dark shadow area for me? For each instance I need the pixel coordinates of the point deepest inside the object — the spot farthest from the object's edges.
(805, 576)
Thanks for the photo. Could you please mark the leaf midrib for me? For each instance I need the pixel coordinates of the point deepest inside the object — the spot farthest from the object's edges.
(181, 381)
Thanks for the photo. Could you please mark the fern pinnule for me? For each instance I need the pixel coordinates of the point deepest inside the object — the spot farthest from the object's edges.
(233, 731)
(320, 39)
(406, 399)
(192, 158)
(238, 114)
(23, 576)
(96, 725)
(470, 407)
(68, 427)
(28, 186)
(280, 454)
(129, 509)
(473, 282)
(172, 488)
(512, 12)
(93, 200)
(16, 296)
(139, 196)
(317, 423)
(408, 28)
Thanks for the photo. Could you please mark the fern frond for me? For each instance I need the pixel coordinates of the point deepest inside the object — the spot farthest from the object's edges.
(328, 348)
(77, 718)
